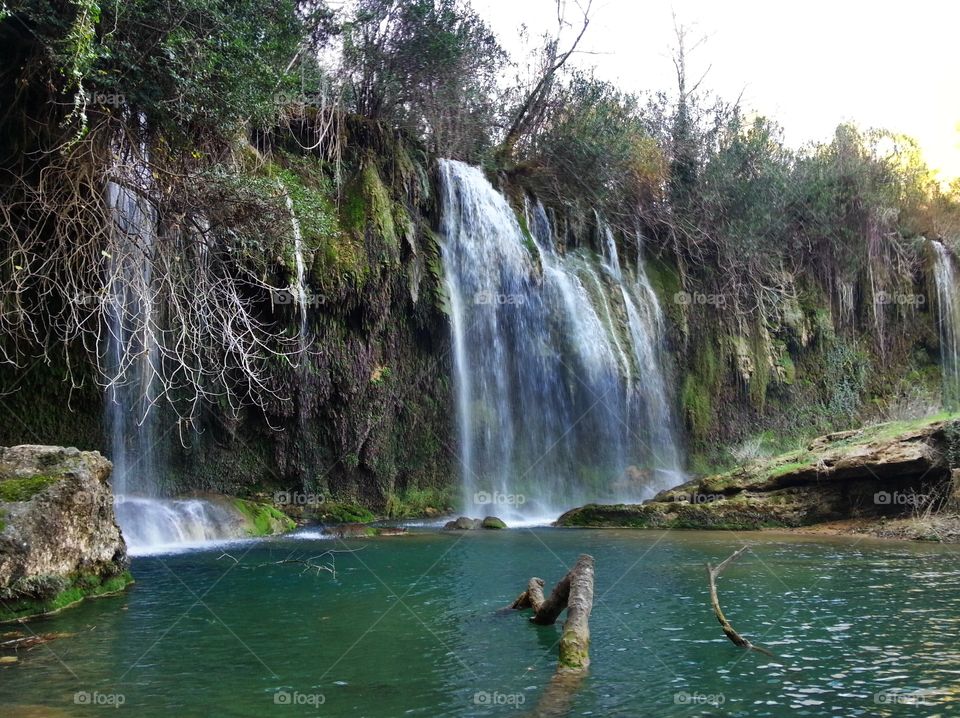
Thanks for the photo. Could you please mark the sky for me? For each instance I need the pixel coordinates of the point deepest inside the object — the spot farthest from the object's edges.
(809, 65)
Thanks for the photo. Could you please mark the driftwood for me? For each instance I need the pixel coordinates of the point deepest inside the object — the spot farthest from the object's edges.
(729, 630)
(574, 593)
(310, 563)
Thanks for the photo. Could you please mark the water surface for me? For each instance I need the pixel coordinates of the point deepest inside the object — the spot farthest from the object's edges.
(409, 627)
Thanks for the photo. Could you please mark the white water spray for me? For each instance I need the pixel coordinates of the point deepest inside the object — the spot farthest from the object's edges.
(948, 310)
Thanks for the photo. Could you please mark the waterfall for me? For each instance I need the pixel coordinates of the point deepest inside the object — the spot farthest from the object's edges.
(151, 525)
(131, 345)
(559, 387)
(148, 522)
(300, 288)
(948, 310)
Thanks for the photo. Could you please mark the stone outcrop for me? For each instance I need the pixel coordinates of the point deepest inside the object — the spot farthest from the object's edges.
(884, 471)
(59, 539)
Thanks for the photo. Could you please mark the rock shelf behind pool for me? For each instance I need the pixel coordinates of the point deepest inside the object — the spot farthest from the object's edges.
(465, 523)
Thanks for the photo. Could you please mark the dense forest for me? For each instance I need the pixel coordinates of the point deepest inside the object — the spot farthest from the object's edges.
(795, 281)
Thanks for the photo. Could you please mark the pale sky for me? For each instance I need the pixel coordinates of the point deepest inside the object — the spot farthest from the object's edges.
(810, 65)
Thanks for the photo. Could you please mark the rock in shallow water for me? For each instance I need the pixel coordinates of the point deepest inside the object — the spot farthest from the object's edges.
(464, 523)
(355, 530)
(59, 539)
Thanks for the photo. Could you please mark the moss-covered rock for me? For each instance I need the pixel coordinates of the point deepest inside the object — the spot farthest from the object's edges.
(886, 470)
(74, 591)
(59, 539)
(492, 522)
(344, 513)
(263, 519)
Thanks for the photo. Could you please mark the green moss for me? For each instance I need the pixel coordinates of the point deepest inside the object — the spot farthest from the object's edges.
(413, 503)
(787, 468)
(345, 513)
(26, 488)
(701, 384)
(377, 204)
(265, 520)
(312, 197)
(528, 241)
(572, 655)
(81, 586)
(697, 408)
(664, 279)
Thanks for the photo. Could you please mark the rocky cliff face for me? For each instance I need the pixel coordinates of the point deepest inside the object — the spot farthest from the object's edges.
(899, 471)
(59, 539)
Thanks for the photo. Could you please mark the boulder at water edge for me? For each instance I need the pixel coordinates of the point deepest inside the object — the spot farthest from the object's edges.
(59, 539)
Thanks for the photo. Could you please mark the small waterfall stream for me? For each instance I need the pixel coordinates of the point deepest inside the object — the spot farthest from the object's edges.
(300, 288)
(149, 522)
(561, 396)
(948, 309)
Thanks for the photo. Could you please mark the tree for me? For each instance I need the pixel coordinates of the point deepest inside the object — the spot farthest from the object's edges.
(426, 66)
(533, 106)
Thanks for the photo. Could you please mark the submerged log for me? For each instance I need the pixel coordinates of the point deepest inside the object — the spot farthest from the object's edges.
(729, 630)
(573, 593)
(575, 641)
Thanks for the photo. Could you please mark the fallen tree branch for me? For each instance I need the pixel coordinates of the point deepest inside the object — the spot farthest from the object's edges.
(310, 563)
(729, 630)
(532, 597)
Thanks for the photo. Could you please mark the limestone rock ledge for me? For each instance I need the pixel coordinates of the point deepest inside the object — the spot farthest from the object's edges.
(878, 473)
(59, 539)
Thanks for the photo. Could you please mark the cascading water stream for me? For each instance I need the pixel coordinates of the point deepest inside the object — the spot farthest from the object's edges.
(300, 288)
(149, 523)
(948, 309)
(552, 363)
